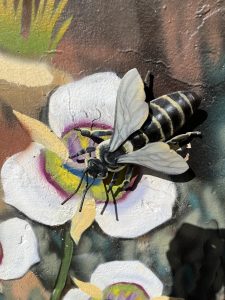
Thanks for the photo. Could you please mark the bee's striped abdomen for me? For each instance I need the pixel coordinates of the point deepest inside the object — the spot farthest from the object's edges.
(169, 114)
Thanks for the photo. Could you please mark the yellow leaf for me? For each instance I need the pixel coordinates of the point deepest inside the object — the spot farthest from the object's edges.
(59, 35)
(58, 11)
(90, 289)
(41, 134)
(82, 220)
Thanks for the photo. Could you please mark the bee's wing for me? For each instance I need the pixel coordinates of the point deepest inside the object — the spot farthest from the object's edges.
(131, 108)
(157, 156)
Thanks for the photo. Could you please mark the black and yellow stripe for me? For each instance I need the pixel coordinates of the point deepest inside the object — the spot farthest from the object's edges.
(169, 114)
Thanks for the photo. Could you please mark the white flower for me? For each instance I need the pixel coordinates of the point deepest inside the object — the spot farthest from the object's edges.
(36, 181)
(18, 248)
(120, 280)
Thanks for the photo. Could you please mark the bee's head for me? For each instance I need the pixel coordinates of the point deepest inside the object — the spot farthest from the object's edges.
(96, 168)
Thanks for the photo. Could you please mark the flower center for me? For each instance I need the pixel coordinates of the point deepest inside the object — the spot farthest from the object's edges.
(125, 291)
(1, 253)
(66, 177)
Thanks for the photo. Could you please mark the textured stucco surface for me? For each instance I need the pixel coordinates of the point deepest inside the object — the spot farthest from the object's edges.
(182, 42)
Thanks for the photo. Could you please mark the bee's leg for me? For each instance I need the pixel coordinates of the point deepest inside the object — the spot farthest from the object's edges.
(112, 182)
(83, 151)
(107, 199)
(94, 133)
(148, 85)
(114, 202)
(77, 189)
(83, 132)
(85, 191)
(115, 205)
(181, 139)
(127, 178)
(101, 132)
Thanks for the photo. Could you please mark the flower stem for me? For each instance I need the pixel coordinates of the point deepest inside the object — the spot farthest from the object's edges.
(64, 268)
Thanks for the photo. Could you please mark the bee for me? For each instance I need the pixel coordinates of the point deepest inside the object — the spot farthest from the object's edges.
(144, 134)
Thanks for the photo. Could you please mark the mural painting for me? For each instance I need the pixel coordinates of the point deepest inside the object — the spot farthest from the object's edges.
(112, 180)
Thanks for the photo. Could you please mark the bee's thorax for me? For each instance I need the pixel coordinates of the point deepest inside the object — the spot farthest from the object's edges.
(110, 158)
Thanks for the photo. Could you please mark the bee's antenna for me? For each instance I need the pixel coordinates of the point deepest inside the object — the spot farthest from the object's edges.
(84, 194)
(100, 114)
(77, 189)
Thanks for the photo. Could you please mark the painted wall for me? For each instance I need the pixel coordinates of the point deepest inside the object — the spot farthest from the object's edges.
(182, 44)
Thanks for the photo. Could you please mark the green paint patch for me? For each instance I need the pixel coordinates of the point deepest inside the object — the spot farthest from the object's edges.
(37, 294)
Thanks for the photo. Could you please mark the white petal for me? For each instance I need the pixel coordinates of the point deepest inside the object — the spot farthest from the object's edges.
(127, 271)
(90, 98)
(20, 248)
(26, 188)
(145, 208)
(76, 294)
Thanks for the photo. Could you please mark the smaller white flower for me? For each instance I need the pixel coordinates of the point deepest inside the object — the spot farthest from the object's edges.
(119, 280)
(18, 248)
